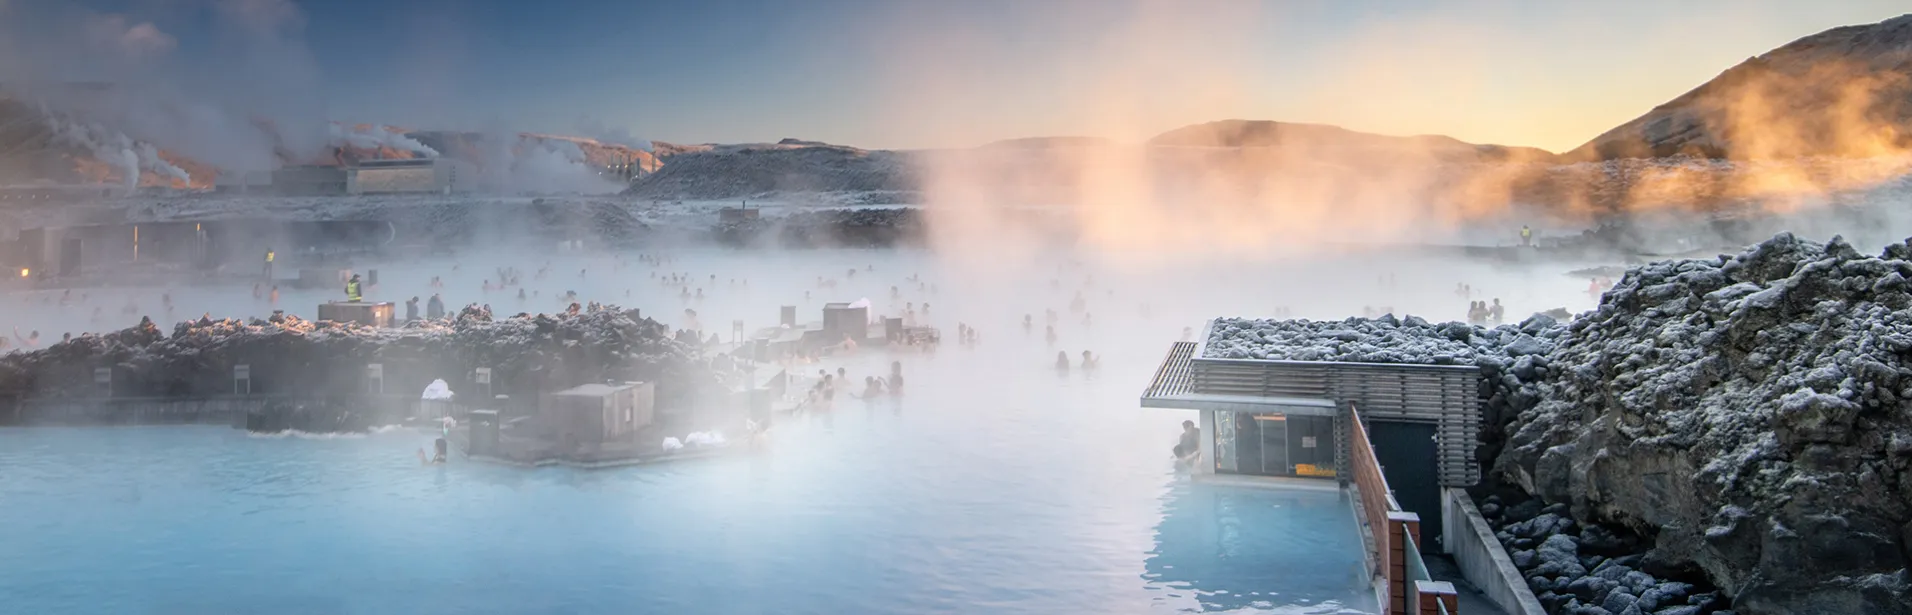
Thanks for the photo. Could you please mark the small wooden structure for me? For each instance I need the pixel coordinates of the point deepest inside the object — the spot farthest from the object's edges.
(840, 321)
(738, 215)
(895, 332)
(599, 413)
(371, 314)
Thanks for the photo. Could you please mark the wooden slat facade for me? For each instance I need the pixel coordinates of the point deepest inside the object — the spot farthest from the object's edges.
(1171, 378)
(1447, 396)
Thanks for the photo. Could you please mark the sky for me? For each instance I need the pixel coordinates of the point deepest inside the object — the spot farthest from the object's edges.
(923, 73)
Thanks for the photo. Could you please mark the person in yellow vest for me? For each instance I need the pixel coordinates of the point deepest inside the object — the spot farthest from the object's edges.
(270, 255)
(352, 290)
(1526, 236)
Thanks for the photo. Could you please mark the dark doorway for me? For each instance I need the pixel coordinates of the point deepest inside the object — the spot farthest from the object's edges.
(70, 251)
(1411, 464)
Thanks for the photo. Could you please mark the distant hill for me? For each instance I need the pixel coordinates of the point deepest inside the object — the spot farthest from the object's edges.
(1842, 92)
(1845, 92)
(1335, 140)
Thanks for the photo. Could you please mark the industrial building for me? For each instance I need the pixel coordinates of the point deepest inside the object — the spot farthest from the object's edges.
(411, 176)
(60, 192)
(243, 182)
(312, 180)
(421, 175)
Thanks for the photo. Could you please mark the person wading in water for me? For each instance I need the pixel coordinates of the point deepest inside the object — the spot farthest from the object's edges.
(1190, 447)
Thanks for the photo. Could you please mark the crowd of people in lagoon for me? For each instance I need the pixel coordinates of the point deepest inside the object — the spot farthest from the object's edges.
(908, 302)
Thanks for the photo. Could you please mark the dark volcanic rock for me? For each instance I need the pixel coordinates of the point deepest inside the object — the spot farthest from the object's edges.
(1747, 417)
(865, 227)
(299, 358)
(1742, 411)
(751, 171)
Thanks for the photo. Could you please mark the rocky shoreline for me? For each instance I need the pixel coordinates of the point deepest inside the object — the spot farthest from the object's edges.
(1587, 569)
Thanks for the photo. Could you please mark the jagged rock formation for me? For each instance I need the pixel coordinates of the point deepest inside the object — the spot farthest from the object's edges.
(1748, 412)
(299, 358)
(1746, 416)
(1843, 92)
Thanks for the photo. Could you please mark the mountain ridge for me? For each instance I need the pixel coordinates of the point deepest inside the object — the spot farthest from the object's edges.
(1845, 91)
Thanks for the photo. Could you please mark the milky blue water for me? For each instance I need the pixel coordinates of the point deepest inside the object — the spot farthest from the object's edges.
(1030, 507)
(997, 486)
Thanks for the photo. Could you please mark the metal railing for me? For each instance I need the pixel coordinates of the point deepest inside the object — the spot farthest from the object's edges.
(1396, 551)
(1370, 485)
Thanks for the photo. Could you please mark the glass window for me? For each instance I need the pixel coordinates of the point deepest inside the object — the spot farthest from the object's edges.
(1225, 442)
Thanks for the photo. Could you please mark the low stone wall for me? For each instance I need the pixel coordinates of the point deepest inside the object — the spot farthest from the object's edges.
(267, 412)
(133, 411)
(1482, 560)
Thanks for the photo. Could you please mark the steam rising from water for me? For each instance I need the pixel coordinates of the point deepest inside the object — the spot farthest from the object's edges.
(1796, 131)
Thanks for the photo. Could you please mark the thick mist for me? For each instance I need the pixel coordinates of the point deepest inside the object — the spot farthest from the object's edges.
(1798, 133)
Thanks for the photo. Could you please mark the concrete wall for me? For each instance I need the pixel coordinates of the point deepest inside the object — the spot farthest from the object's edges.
(1482, 560)
(453, 175)
(377, 180)
(441, 175)
(311, 180)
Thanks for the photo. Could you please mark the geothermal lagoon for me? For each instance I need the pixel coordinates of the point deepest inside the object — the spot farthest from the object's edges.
(996, 483)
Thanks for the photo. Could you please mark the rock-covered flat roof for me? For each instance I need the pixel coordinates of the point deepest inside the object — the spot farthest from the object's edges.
(1386, 339)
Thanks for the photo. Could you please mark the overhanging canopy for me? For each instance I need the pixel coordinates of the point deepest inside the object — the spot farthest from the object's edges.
(1170, 389)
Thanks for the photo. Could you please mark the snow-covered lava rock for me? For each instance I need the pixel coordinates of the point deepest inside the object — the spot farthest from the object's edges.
(1749, 413)
(1747, 416)
(293, 357)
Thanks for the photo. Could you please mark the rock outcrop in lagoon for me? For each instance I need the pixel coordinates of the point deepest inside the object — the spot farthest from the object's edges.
(289, 356)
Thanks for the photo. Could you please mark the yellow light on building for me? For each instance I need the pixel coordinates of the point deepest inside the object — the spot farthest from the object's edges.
(24, 272)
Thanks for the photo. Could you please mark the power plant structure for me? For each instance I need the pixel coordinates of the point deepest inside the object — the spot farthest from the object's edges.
(404, 176)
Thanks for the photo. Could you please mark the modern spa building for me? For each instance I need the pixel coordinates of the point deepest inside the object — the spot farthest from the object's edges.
(1400, 439)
